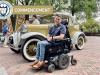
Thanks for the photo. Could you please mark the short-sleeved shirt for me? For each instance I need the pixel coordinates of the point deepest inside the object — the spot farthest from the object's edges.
(57, 30)
(5, 29)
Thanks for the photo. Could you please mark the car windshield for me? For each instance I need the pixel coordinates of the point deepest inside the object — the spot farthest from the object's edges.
(48, 19)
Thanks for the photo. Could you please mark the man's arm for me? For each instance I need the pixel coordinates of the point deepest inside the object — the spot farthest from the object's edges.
(62, 34)
(60, 37)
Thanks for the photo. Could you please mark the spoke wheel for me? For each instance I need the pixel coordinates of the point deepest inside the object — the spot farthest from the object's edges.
(29, 49)
(80, 43)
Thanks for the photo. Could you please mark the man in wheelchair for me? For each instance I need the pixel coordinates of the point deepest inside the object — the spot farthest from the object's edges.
(53, 46)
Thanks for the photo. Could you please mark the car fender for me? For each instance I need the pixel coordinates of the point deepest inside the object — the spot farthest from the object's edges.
(76, 35)
(26, 36)
(31, 34)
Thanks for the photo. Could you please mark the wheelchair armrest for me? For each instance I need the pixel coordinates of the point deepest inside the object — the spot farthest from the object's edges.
(66, 39)
(63, 40)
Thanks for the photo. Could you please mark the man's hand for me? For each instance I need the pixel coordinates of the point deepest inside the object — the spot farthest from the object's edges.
(49, 38)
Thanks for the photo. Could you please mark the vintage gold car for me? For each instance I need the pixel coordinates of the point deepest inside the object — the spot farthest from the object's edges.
(26, 42)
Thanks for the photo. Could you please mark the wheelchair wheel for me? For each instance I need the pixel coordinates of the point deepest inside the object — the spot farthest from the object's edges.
(51, 68)
(63, 61)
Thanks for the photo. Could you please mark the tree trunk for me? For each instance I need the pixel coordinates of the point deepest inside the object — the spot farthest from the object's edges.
(26, 17)
(13, 20)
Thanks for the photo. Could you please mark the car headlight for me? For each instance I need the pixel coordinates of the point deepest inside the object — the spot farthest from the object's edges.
(24, 29)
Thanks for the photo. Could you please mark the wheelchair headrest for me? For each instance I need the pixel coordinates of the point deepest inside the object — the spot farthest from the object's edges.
(64, 22)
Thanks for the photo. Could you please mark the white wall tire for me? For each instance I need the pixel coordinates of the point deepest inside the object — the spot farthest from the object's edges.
(80, 43)
(28, 51)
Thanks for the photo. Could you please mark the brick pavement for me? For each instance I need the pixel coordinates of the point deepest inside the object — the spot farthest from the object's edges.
(88, 61)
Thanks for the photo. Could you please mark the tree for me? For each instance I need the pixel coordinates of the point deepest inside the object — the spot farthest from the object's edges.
(76, 6)
(87, 6)
(57, 5)
(13, 17)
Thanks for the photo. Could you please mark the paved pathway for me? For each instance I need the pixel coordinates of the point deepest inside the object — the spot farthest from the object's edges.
(88, 62)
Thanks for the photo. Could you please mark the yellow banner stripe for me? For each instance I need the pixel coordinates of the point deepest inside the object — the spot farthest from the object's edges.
(32, 10)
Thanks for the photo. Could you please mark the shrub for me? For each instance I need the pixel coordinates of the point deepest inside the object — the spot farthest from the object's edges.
(90, 26)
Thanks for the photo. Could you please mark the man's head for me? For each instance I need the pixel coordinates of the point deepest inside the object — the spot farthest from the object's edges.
(57, 19)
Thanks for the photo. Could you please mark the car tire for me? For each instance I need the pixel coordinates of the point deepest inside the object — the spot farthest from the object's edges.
(80, 43)
(15, 51)
(29, 54)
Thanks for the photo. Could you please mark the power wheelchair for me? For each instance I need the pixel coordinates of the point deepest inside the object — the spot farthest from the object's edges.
(58, 55)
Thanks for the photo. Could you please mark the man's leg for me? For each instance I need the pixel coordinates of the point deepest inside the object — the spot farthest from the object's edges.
(42, 49)
(5, 41)
(41, 53)
(38, 50)
(37, 54)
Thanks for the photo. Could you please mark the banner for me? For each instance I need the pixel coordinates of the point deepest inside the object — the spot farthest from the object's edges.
(32, 10)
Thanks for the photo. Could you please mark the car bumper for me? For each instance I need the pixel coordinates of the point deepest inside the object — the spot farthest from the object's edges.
(13, 47)
(11, 44)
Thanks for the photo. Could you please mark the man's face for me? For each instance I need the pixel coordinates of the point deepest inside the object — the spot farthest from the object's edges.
(57, 20)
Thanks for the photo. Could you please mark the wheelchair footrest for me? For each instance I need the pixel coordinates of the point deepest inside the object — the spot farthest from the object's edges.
(70, 54)
(72, 59)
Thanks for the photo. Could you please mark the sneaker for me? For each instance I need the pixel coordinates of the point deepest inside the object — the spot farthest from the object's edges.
(34, 63)
(38, 65)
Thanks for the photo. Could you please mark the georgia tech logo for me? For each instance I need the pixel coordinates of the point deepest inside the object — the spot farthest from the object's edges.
(5, 9)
